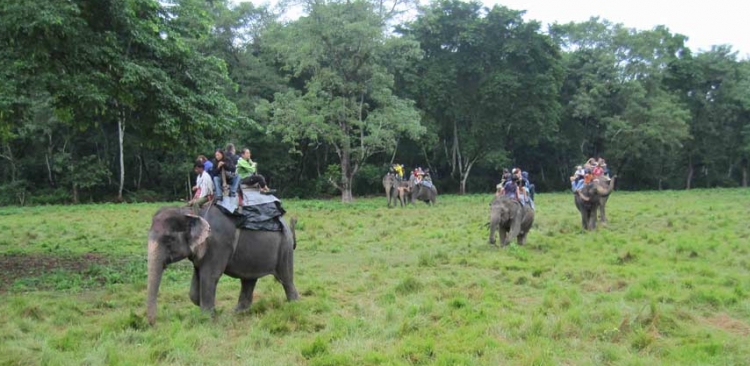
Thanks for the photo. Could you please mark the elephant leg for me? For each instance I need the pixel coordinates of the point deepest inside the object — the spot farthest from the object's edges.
(515, 229)
(522, 239)
(592, 219)
(286, 278)
(584, 220)
(195, 296)
(290, 290)
(208, 291)
(503, 237)
(246, 294)
(493, 228)
(603, 214)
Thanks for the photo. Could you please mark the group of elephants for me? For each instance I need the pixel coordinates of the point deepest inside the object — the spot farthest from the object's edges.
(215, 246)
(407, 191)
(513, 220)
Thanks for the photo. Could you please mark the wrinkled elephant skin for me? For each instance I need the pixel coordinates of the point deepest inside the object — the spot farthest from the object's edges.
(591, 200)
(511, 219)
(176, 233)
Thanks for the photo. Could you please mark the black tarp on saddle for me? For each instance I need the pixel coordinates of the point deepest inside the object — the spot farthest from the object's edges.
(260, 217)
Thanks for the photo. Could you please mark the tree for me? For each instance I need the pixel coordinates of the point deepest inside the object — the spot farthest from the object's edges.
(714, 85)
(617, 103)
(347, 101)
(488, 80)
(125, 64)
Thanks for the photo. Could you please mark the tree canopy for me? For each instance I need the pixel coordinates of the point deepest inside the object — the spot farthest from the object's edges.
(113, 100)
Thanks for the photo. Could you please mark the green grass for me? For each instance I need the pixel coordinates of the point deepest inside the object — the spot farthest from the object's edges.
(666, 282)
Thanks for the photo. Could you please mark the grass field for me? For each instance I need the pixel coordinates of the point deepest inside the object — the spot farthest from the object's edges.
(666, 282)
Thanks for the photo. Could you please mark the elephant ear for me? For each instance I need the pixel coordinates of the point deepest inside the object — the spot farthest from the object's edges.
(199, 230)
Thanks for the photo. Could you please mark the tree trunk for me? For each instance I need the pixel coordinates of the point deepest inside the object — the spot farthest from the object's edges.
(690, 174)
(346, 176)
(11, 161)
(346, 190)
(49, 171)
(395, 150)
(140, 172)
(121, 137)
(744, 175)
(465, 176)
(75, 193)
(189, 190)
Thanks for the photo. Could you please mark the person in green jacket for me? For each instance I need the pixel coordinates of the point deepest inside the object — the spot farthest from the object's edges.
(247, 170)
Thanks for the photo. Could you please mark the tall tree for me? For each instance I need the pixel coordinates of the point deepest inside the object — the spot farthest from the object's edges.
(617, 104)
(488, 80)
(347, 101)
(125, 64)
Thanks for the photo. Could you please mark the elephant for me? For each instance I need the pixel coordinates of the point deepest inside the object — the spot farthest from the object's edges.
(404, 192)
(390, 184)
(510, 218)
(592, 198)
(215, 246)
(421, 193)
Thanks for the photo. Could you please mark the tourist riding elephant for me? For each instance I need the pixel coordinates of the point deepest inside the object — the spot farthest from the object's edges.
(591, 198)
(419, 192)
(510, 218)
(216, 247)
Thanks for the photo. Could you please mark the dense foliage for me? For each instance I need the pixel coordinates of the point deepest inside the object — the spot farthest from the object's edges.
(106, 99)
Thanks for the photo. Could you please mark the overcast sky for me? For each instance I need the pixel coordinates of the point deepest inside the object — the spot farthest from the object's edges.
(705, 22)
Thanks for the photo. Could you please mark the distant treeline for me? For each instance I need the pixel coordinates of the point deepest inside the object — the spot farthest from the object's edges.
(105, 100)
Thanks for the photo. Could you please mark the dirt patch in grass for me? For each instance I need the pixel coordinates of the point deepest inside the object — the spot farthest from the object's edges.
(729, 324)
(18, 266)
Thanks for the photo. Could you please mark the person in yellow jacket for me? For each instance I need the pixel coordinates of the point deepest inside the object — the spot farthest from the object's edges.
(399, 169)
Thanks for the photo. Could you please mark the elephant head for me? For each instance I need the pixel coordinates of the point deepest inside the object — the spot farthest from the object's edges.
(599, 188)
(175, 234)
(591, 198)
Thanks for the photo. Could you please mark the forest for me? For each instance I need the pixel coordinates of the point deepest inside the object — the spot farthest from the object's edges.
(112, 100)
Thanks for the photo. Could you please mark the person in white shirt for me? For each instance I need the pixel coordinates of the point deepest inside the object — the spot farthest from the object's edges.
(204, 187)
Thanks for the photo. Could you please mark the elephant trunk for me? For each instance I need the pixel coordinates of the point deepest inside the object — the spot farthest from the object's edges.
(602, 190)
(155, 270)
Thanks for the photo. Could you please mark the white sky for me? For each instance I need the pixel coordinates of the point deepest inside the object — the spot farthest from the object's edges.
(704, 22)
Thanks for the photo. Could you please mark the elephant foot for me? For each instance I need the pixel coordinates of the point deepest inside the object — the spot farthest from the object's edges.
(239, 309)
(294, 296)
(210, 312)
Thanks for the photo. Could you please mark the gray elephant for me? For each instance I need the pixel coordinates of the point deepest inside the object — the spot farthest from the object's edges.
(390, 184)
(404, 192)
(216, 247)
(422, 193)
(511, 219)
(592, 198)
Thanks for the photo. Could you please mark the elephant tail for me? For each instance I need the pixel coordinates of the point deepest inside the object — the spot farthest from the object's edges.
(292, 224)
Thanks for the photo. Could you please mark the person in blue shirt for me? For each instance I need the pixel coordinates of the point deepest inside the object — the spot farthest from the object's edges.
(207, 164)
